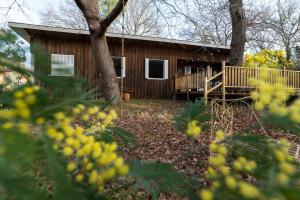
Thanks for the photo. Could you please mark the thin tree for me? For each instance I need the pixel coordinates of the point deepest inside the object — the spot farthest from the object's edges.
(98, 26)
(284, 25)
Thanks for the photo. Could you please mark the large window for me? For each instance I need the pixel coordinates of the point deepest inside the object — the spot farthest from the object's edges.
(156, 69)
(62, 65)
(119, 63)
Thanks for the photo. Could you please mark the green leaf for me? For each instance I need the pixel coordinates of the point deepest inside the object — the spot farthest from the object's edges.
(193, 111)
(112, 133)
(156, 177)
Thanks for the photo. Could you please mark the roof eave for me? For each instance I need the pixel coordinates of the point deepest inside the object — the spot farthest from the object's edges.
(20, 28)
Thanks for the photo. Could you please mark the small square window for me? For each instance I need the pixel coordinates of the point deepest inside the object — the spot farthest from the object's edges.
(62, 65)
(119, 64)
(156, 69)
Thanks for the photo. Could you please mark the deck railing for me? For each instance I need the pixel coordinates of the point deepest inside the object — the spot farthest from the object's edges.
(190, 82)
(239, 77)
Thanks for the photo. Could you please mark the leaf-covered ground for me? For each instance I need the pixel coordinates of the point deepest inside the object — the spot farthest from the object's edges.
(152, 123)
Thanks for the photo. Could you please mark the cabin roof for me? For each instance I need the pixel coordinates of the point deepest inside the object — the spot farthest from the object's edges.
(24, 31)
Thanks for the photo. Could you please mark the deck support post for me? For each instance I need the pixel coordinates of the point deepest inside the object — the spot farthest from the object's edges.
(224, 83)
(205, 90)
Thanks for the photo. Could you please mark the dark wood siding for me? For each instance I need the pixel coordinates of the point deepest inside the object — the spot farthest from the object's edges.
(135, 52)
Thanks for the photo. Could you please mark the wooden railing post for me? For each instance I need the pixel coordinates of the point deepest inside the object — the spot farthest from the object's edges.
(205, 90)
(224, 83)
(208, 71)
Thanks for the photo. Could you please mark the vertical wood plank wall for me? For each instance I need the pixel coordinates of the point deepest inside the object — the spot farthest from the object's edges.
(135, 53)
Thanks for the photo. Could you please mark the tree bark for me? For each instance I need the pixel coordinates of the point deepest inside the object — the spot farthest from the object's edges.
(102, 57)
(238, 40)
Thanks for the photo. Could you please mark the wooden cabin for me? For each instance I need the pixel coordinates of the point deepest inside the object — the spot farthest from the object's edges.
(151, 67)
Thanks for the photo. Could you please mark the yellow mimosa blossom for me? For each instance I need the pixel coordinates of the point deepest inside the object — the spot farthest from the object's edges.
(206, 195)
(71, 167)
(248, 191)
(193, 130)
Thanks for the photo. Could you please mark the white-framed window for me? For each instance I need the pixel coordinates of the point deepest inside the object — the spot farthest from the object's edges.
(62, 65)
(120, 66)
(156, 69)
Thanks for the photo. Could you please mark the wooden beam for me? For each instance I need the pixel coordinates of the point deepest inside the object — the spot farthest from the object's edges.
(205, 90)
(224, 84)
(215, 87)
(215, 76)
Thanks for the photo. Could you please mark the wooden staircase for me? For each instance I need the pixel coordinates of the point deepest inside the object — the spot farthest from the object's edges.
(212, 91)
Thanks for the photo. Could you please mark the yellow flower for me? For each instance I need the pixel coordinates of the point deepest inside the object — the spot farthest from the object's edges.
(76, 110)
(206, 195)
(101, 115)
(259, 106)
(59, 116)
(254, 95)
(224, 170)
(287, 168)
(71, 167)
(123, 170)
(216, 184)
(109, 173)
(248, 191)
(230, 182)
(28, 90)
(68, 151)
(20, 104)
(7, 114)
(30, 99)
(237, 165)
(89, 166)
(222, 150)
(36, 88)
(282, 178)
(18, 94)
(193, 130)
(279, 155)
(8, 125)
(24, 113)
(216, 160)
(59, 137)
(93, 110)
(250, 166)
(79, 178)
(23, 127)
(85, 117)
(93, 177)
(119, 162)
(40, 121)
(213, 147)
(220, 135)
(51, 132)
(211, 172)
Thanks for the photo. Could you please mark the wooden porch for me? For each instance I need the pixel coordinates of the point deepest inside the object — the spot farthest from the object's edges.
(231, 80)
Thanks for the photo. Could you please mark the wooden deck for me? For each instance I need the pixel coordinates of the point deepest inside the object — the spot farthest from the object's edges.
(231, 80)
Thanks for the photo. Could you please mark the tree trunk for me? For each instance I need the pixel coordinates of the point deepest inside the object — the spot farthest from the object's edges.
(104, 65)
(238, 40)
(102, 57)
(288, 53)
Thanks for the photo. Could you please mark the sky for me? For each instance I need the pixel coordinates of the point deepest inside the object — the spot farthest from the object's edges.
(27, 12)
(32, 8)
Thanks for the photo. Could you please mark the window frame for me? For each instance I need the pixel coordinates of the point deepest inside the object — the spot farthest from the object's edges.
(165, 69)
(60, 75)
(123, 66)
